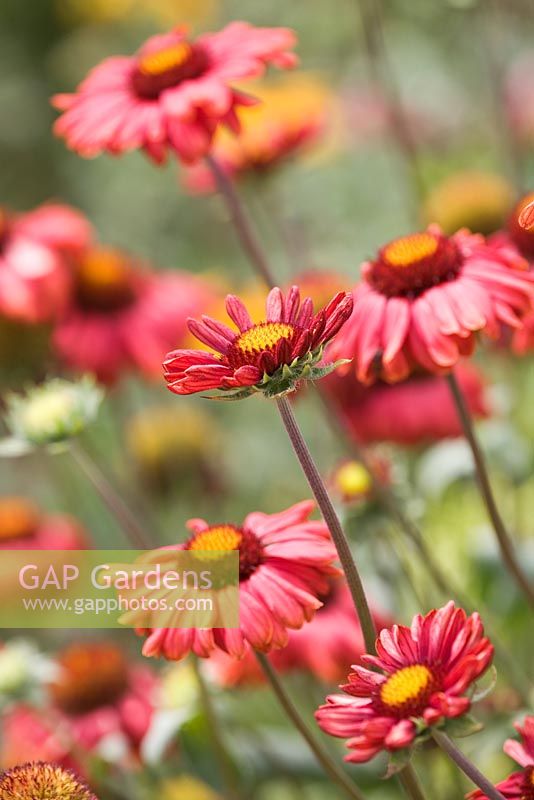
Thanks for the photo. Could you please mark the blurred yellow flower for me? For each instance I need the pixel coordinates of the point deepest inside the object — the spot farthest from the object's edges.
(187, 787)
(164, 12)
(479, 201)
(352, 481)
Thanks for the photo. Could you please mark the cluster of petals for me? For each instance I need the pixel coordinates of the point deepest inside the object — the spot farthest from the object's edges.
(172, 94)
(520, 784)
(34, 250)
(286, 563)
(23, 526)
(423, 299)
(414, 412)
(291, 331)
(426, 671)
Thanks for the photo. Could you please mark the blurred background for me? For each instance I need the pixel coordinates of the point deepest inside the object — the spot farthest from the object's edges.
(421, 112)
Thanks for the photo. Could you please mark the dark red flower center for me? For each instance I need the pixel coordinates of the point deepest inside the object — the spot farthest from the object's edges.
(527, 789)
(522, 237)
(91, 676)
(407, 691)
(267, 345)
(210, 543)
(168, 67)
(18, 518)
(104, 281)
(408, 266)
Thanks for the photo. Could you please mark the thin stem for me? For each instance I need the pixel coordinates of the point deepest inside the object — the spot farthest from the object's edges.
(112, 499)
(335, 772)
(225, 762)
(410, 783)
(332, 520)
(503, 537)
(244, 230)
(467, 767)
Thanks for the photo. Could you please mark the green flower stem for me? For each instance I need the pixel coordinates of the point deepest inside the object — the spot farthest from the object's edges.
(467, 767)
(225, 763)
(247, 235)
(503, 538)
(112, 499)
(410, 783)
(332, 521)
(332, 769)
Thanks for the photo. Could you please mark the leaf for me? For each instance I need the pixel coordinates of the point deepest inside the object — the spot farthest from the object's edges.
(230, 396)
(480, 694)
(462, 726)
(398, 760)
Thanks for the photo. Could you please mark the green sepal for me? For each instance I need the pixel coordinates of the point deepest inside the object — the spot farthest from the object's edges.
(463, 726)
(398, 760)
(479, 694)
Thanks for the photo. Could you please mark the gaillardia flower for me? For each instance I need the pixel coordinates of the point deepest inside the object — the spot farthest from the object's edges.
(519, 785)
(34, 252)
(423, 299)
(269, 357)
(285, 564)
(427, 670)
(41, 781)
(23, 526)
(122, 317)
(172, 94)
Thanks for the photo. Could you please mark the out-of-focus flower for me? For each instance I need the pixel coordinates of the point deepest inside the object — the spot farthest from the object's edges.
(24, 526)
(526, 217)
(320, 284)
(122, 317)
(423, 299)
(165, 12)
(416, 411)
(326, 647)
(480, 201)
(186, 787)
(426, 671)
(519, 785)
(97, 702)
(352, 482)
(170, 447)
(519, 98)
(177, 699)
(285, 563)
(41, 780)
(289, 121)
(51, 413)
(23, 671)
(269, 357)
(34, 247)
(172, 95)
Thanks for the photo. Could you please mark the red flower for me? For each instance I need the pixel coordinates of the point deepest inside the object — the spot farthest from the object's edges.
(413, 412)
(271, 356)
(24, 527)
(285, 564)
(427, 670)
(34, 278)
(519, 785)
(422, 301)
(172, 94)
(122, 317)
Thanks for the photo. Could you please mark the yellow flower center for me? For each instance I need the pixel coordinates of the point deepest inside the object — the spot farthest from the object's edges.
(408, 250)
(352, 479)
(104, 279)
(163, 61)
(263, 337)
(41, 781)
(215, 540)
(18, 518)
(406, 686)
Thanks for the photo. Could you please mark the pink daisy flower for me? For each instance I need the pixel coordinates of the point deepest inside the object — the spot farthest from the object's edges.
(285, 564)
(23, 526)
(416, 411)
(34, 277)
(270, 356)
(519, 785)
(96, 698)
(326, 647)
(423, 299)
(426, 671)
(172, 94)
(121, 317)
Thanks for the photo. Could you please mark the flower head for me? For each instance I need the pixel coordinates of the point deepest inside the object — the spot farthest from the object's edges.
(38, 781)
(416, 411)
(480, 201)
(23, 525)
(172, 94)
(427, 670)
(423, 299)
(519, 785)
(52, 412)
(34, 248)
(269, 357)
(285, 563)
(121, 317)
